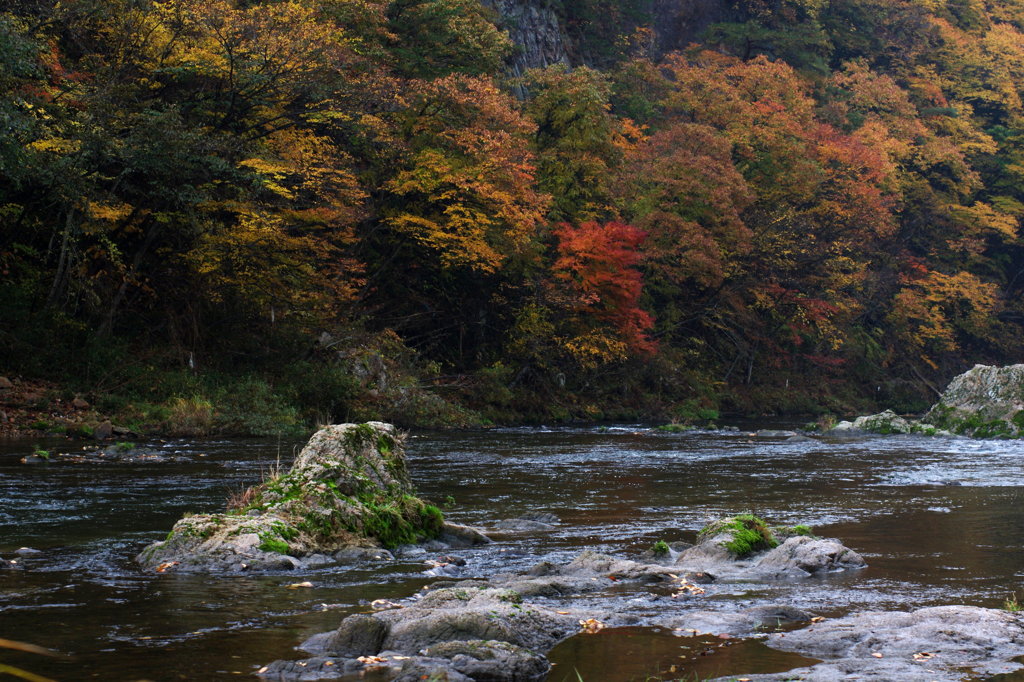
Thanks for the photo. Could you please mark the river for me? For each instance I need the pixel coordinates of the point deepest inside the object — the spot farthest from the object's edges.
(939, 521)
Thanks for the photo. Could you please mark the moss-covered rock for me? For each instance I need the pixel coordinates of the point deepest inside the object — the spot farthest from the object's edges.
(884, 423)
(983, 402)
(742, 535)
(348, 487)
(744, 546)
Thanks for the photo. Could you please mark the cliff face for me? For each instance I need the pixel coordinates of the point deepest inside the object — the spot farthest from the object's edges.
(542, 39)
(537, 32)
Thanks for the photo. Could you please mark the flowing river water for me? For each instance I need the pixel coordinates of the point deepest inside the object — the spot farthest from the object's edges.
(940, 521)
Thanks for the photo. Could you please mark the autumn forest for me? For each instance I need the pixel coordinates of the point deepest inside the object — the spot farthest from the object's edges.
(246, 215)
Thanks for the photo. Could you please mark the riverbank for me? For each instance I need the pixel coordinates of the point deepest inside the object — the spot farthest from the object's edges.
(294, 402)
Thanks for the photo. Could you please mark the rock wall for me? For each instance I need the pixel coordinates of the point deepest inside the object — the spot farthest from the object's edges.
(541, 38)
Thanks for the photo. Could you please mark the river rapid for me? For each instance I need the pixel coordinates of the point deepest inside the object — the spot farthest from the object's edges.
(939, 521)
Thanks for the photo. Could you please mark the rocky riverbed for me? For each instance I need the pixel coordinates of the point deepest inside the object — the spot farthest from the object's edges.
(500, 628)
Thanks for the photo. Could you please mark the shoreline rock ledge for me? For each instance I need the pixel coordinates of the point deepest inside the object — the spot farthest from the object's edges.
(347, 489)
(983, 402)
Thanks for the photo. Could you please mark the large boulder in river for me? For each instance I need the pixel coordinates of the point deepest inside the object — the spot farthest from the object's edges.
(745, 547)
(983, 402)
(348, 487)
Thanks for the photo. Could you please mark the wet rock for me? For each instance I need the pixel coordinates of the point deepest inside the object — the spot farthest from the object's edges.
(27, 551)
(798, 438)
(80, 404)
(319, 668)
(799, 557)
(490, 614)
(543, 517)
(358, 635)
(522, 525)
(348, 487)
(103, 431)
(770, 433)
(884, 423)
(745, 547)
(465, 632)
(492, 661)
(739, 624)
(356, 554)
(6, 384)
(983, 402)
(460, 537)
(949, 641)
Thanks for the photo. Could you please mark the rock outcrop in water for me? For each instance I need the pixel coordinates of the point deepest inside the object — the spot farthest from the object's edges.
(501, 628)
(347, 488)
(941, 643)
(744, 547)
(983, 402)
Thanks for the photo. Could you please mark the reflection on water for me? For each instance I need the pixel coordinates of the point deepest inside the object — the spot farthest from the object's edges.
(939, 521)
(633, 654)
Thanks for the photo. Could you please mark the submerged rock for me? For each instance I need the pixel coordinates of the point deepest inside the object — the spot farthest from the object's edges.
(941, 643)
(349, 487)
(983, 402)
(744, 546)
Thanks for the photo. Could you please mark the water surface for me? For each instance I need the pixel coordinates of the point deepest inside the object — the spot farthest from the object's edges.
(927, 541)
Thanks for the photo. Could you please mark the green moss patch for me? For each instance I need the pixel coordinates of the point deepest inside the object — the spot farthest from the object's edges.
(749, 534)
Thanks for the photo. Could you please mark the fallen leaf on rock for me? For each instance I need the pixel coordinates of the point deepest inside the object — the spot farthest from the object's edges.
(591, 625)
(923, 656)
(262, 670)
(295, 586)
(817, 619)
(372, 660)
(384, 604)
(326, 663)
(562, 613)
(167, 564)
(877, 655)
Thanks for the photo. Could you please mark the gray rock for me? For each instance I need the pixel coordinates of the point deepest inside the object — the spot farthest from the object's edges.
(885, 423)
(460, 537)
(354, 554)
(739, 624)
(983, 402)
(319, 668)
(796, 557)
(802, 556)
(80, 404)
(959, 639)
(455, 614)
(454, 633)
(543, 517)
(358, 635)
(28, 551)
(103, 431)
(6, 384)
(770, 433)
(522, 525)
(490, 661)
